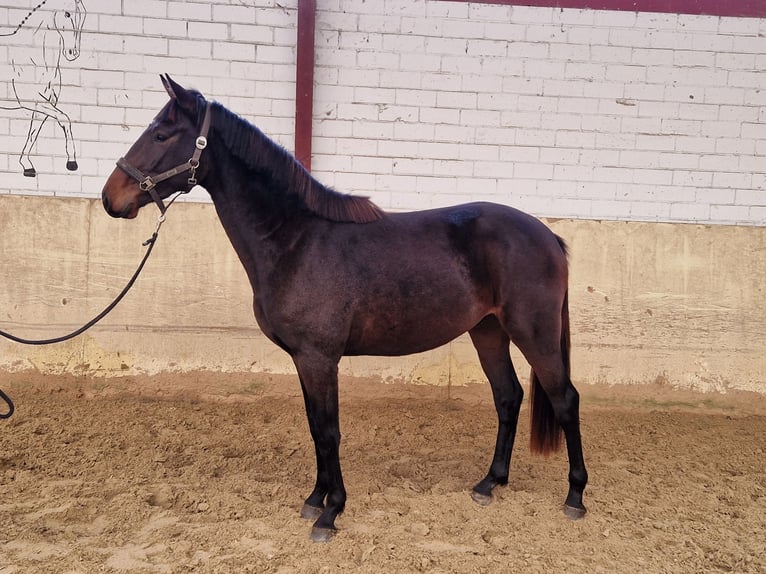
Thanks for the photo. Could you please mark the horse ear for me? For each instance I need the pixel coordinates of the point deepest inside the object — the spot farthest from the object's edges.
(167, 83)
(183, 97)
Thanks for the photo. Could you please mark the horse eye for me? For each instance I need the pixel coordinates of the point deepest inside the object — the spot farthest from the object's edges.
(160, 137)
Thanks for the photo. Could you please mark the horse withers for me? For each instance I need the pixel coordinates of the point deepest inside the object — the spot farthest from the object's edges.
(333, 274)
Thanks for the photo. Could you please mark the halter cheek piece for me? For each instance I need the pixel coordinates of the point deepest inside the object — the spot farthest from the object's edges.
(147, 183)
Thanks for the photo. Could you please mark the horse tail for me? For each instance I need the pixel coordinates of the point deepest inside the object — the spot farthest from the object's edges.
(546, 432)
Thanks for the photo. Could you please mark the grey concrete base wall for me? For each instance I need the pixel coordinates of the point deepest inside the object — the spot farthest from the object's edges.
(678, 304)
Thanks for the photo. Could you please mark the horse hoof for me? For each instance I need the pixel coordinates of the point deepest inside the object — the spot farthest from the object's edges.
(573, 513)
(322, 534)
(72, 165)
(481, 499)
(310, 512)
(30, 172)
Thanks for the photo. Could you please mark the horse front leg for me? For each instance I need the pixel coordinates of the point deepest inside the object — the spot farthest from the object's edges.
(319, 381)
(65, 123)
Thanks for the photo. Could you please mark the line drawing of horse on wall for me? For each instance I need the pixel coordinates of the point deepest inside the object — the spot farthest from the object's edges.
(48, 32)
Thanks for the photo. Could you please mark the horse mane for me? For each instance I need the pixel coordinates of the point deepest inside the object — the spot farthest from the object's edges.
(263, 155)
(24, 20)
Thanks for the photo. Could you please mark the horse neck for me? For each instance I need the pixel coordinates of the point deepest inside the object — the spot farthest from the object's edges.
(258, 215)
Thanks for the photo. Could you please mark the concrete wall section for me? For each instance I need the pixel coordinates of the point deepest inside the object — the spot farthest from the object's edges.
(640, 135)
(680, 304)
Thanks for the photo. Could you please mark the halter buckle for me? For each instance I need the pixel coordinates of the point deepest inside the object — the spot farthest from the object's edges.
(201, 142)
(146, 184)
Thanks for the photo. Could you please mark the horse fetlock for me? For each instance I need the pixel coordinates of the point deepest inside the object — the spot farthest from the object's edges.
(310, 512)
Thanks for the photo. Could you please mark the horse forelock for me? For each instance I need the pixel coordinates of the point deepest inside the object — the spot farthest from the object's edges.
(288, 176)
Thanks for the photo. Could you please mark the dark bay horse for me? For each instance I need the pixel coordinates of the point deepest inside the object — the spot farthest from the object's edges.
(333, 275)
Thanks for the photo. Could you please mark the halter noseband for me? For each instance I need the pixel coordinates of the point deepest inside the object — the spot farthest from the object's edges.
(147, 183)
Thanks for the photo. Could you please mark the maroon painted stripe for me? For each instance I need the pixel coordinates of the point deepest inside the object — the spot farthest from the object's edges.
(304, 81)
(741, 8)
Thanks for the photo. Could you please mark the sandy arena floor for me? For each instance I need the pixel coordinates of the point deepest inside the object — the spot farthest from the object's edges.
(205, 473)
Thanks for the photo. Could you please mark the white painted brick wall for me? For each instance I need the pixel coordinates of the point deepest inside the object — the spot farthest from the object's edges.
(419, 103)
(241, 55)
(564, 113)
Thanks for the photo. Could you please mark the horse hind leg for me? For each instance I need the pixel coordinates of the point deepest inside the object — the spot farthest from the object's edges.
(492, 345)
(540, 330)
(555, 409)
(36, 123)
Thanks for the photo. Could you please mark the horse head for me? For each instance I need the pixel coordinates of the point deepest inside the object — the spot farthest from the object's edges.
(165, 157)
(68, 21)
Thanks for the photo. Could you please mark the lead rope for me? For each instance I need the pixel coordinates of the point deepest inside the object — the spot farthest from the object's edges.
(149, 244)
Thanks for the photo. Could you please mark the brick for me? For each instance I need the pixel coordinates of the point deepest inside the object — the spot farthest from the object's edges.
(724, 95)
(501, 13)
(739, 26)
(589, 35)
(120, 24)
(380, 23)
(750, 197)
(144, 45)
(575, 139)
(713, 196)
(732, 180)
(233, 13)
(164, 28)
(712, 43)
(500, 30)
(233, 51)
(493, 136)
(151, 8)
(689, 212)
(201, 11)
(361, 78)
(422, 27)
(438, 81)
(446, 46)
(680, 160)
(462, 100)
(718, 162)
(239, 32)
(447, 10)
(275, 54)
(729, 214)
(453, 28)
(370, 164)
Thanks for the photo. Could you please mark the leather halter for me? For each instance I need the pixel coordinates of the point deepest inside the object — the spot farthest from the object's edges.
(147, 183)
